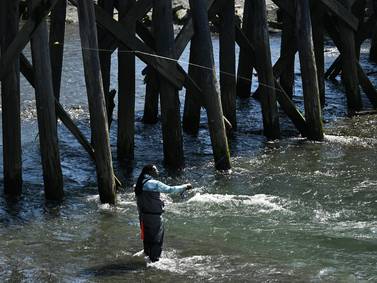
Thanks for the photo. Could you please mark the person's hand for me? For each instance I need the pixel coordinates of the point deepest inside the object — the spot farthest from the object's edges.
(189, 187)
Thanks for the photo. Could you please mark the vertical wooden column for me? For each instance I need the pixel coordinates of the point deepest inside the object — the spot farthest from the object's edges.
(126, 93)
(208, 84)
(261, 42)
(45, 101)
(192, 109)
(358, 9)
(308, 71)
(349, 64)
(288, 43)
(245, 67)
(57, 30)
(96, 99)
(105, 55)
(151, 97)
(228, 62)
(10, 98)
(373, 44)
(318, 21)
(170, 107)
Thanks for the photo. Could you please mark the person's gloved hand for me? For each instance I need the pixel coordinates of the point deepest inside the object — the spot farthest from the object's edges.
(189, 187)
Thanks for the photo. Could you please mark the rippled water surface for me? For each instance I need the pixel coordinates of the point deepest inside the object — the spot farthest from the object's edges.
(291, 210)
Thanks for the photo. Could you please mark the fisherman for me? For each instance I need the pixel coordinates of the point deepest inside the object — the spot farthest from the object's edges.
(150, 208)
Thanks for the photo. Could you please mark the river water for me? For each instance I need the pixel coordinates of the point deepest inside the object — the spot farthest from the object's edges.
(290, 210)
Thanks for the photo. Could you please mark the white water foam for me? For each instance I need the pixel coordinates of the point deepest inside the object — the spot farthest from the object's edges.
(366, 184)
(92, 198)
(267, 202)
(351, 141)
(199, 265)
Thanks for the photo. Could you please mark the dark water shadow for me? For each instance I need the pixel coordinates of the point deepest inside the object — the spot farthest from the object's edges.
(116, 268)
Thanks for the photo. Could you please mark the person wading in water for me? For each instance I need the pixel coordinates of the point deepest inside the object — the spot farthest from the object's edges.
(150, 208)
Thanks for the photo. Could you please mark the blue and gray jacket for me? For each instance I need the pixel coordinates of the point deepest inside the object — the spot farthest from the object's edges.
(149, 202)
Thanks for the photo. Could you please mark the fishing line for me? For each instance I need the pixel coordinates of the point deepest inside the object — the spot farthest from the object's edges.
(184, 63)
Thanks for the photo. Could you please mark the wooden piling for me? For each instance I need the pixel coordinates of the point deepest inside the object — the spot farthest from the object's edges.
(373, 44)
(308, 71)
(126, 94)
(10, 97)
(96, 99)
(349, 64)
(23, 36)
(261, 42)
(192, 108)
(318, 18)
(56, 38)
(228, 62)
(208, 84)
(105, 55)
(28, 72)
(358, 9)
(288, 43)
(170, 107)
(285, 102)
(363, 79)
(245, 68)
(44, 92)
(151, 97)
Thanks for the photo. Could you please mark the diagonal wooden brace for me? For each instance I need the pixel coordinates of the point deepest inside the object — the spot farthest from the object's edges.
(285, 102)
(333, 5)
(37, 15)
(141, 50)
(28, 72)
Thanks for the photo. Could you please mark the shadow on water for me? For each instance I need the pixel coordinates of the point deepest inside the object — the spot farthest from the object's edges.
(116, 268)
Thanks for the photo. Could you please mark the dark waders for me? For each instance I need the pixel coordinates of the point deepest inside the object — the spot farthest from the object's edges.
(153, 229)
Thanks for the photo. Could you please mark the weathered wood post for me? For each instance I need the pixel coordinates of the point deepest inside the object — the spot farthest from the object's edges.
(45, 101)
(261, 42)
(228, 62)
(57, 30)
(152, 94)
(363, 79)
(373, 44)
(162, 20)
(96, 99)
(105, 55)
(126, 94)
(10, 97)
(245, 68)
(208, 84)
(151, 97)
(349, 64)
(192, 108)
(358, 9)
(288, 43)
(318, 20)
(308, 71)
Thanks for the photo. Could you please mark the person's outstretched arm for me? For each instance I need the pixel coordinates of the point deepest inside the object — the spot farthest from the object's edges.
(157, 186)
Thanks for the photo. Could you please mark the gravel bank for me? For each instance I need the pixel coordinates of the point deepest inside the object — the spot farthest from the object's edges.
(180, 10)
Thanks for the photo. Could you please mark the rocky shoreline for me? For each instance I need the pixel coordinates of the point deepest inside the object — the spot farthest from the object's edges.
(181, 9)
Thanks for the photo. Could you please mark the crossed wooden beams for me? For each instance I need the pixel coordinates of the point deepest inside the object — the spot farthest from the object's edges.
(333, 5)
(174, 73)
(359, 28)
